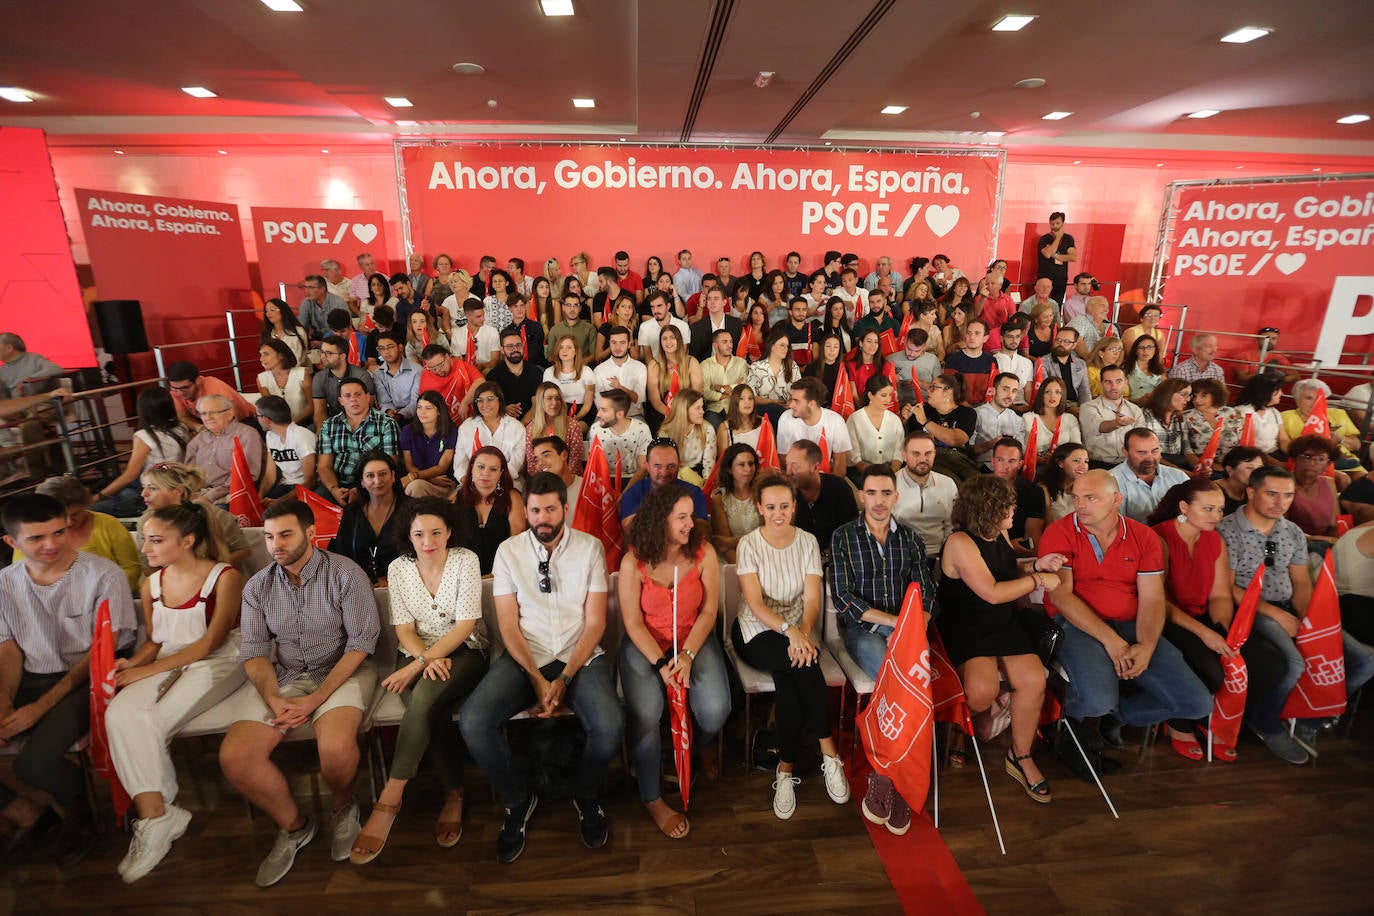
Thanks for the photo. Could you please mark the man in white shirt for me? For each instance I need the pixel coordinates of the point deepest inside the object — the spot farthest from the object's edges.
(1106, 420)
(290, 450)
(1009, 361)
(621, 436)
(855, 297)
(551, 454)
(1143, 477)
(622, 372)
(807, 419)
(687, 279)
(550, 589)
(335, 281)
(650, 328)
(996, 419)
(925, 497)
(485, 339)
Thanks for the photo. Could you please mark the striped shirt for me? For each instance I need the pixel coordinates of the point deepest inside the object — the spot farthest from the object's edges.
(782, 576)
(53, 624)
(310, 625)
(347, 445)
(865, 574)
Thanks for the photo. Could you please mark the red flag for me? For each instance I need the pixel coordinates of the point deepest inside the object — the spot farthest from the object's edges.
(1032, 448)
(992, 389)
(1318, 424)
(897, 726)
(674, 386)
(767, 448)
(825, 452)
(679, 719)
(947, 693)
(748, 348)
(1320, 692)
(916, 383)
(597, 507)
(1209, 452)
(906, 327)
(1247, 432)
(1036, 380)
(424, 337)
(327, 515)
(1344, 523)
(102, 679)
(842, 401)
(368, 324)
(890, 372)
(244, 502)
(709, 486)
(355, 357)
(476, 438)
(1229, 705)
(887, 343)
(470, 346)
(524, 341)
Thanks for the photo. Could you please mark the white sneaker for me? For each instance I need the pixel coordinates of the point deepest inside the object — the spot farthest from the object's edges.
(347, 826)
(785, 794)
(836, 784)
(283, 854)
(152, 840)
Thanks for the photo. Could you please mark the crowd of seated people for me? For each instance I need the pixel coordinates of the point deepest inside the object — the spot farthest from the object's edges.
(825, 438)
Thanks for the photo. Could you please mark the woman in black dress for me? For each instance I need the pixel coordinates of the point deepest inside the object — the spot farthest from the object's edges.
(496, 507)
(981, 585)
(366, 533)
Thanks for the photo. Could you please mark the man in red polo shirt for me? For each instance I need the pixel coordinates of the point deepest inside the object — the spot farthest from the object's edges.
(1110, 607)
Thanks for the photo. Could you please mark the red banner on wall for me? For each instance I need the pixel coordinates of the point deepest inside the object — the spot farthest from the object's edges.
(182, 259)
(1296, 255)
(537, 202)
(292, 241)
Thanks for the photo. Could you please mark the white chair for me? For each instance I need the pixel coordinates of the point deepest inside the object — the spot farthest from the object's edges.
(859, 679)
(259, 559)
(752, 680)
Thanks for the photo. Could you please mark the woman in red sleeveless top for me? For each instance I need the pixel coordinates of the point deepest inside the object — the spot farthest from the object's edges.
(669, 565)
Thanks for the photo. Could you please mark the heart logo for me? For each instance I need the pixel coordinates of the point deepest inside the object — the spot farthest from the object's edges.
(364, 232)
(1288, 264)
(942, 220)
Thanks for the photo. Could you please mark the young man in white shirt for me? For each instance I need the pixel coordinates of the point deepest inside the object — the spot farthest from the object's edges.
(807, 419)
(485, 339)
(622, 372)
(620, 435)
(925, 497)
(1009, 361)
(290, 451)
(855, 297)
(1106, 420)
(650, 328)
(550, 589)
(996, 419)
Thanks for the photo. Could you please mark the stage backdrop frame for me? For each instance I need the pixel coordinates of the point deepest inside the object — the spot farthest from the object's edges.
(900, 253)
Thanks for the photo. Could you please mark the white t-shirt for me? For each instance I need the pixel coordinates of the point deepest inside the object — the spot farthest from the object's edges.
(488, 341)
(926, 510)
(855, 304)
(631, 374)
(791, 429)
(574, 389)
(1018, 366)
(649, 329)
(163, 448)
(287, 453)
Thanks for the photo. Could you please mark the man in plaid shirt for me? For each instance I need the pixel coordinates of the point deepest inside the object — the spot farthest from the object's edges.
(349, 435)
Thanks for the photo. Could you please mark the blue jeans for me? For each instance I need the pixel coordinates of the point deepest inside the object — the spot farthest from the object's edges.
(127, 503)
(1169, 688)
(866, 648)
(1264, 712)
(708, 698)
(506, 690)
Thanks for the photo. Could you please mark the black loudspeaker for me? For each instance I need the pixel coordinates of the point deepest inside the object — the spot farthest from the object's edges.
(121, 325)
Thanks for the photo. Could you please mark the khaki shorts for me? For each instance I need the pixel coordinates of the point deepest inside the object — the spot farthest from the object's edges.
(355, 693)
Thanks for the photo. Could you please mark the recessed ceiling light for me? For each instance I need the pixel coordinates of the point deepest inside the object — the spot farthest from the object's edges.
(1078, 162)
(827, 143)
(1159, 165)
(994, 133)
(1013, 23)
(763, 78)
(584, 103)
(12, 94)
(282, 6)
(1245, 34)
(324, 151)
(222, 152)
(556, 7)
(894, 109)
(199, 92)
(622, 139)
(1034, 82)
(1316, 170)
(119, 152)
(467, 68)
(398, 101)
(406, 123)
(1205, 113)
(1056, 115)
(1353, 119)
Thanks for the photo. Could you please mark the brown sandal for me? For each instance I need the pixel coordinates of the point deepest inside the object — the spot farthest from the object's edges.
(371, 845)
(671, 822)
(452, 827)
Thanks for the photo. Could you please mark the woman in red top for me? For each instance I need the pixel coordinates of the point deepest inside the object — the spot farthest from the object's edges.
(867, 361)
(1198, 602)
(669, 575)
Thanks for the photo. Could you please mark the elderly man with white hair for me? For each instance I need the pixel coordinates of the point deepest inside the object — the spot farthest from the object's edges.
(212, 449)
(1342, 430)
(1201, 364)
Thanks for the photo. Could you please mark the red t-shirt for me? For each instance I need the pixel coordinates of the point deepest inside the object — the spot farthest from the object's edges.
(186, 409)
(1107, 586)
(1189, 579)
(452, 387)
(631, 282)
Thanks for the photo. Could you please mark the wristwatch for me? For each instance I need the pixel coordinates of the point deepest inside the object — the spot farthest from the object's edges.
(566, 679)
(782, 631)
(689, 653)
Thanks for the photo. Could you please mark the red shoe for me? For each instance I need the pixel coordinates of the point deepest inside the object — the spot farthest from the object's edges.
(1220, 751)
(1189, 748)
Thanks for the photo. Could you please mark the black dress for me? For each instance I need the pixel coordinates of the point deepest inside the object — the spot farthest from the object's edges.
(970, 626)
(373, 551)
(487, 538)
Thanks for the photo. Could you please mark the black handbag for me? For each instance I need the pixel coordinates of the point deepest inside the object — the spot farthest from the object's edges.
(1044, 635)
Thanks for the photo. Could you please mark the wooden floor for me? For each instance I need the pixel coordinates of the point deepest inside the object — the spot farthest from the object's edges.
(1257, 836)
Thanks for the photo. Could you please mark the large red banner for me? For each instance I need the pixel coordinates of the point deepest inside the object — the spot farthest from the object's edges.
(292, 241)
(537, 202)
(1297, 255)
(182, 259)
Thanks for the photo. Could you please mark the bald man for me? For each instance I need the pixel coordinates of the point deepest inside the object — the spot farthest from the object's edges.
(1110, 607)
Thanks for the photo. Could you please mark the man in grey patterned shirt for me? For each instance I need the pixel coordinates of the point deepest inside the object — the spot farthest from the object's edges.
(317, 611)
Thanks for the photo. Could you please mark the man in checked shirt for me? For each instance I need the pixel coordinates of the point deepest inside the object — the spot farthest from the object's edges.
(315, 613)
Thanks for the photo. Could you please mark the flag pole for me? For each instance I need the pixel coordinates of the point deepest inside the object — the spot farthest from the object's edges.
(992, 809)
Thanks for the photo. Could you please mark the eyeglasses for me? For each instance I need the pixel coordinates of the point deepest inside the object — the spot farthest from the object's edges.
(1314, 458)
(488, 399)
(1271, 551)
(545, 583)
(211, 413)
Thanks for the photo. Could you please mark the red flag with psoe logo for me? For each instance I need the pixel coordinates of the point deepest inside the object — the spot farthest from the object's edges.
(244, 502)
(842, 401)
(1320, 692)
(1318, 423)
(887, 344)
(897, 726)
(1037, 379)
(768, 447)
(327, 516)
(1032, 448)
(949, 701)
(102, 679)
(1229, 704)
(598, 506)
(1209, 452)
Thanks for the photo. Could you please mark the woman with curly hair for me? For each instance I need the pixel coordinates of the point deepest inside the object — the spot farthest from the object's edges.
(669, 578)
(497, 510)
(1315, 500)
(733, 513)
(982, 581)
